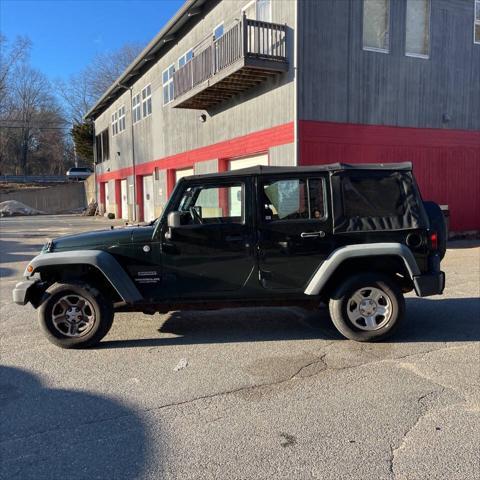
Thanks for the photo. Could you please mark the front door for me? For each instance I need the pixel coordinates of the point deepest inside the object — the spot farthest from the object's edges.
(124, 198)
(294, 230)
(211, 252)
(148, 210)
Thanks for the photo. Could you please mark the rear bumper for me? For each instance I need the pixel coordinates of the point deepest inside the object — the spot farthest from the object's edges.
(20, 292)
(429, 284)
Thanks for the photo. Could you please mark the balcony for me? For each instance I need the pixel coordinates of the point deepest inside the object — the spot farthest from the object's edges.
(246, 55)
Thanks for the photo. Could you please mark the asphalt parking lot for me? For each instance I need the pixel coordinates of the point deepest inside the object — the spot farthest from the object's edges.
(240, 394)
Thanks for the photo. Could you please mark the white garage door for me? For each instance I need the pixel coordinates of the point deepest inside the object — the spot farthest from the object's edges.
(235, 192)
(183, 173)
(148, 210)
(248, 162)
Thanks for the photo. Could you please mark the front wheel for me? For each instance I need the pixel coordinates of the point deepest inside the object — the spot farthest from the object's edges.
(75, 315)
(367, 307)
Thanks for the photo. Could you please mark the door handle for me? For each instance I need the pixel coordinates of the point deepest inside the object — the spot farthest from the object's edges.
(234, 238)
(320, 234)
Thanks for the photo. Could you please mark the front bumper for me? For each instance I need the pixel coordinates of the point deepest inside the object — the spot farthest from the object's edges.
(428, 284)
(20, 293)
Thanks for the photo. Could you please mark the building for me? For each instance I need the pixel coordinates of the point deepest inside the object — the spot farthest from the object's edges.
(233, 83)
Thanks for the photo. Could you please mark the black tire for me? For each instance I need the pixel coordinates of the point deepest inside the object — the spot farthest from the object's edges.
(437, 224)
(97, 307)
(342, 300)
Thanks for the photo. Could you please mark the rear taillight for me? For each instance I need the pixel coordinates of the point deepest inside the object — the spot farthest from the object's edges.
(433, 240)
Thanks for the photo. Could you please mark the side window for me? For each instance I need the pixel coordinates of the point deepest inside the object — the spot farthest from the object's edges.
(214, 204)
(372, 196)
(293, 199)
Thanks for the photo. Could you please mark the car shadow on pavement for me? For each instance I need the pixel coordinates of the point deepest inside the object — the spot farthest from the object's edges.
(48, 433)
(438, 320)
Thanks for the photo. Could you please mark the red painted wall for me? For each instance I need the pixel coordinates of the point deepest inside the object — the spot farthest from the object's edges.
(256, 142)
(446, 163)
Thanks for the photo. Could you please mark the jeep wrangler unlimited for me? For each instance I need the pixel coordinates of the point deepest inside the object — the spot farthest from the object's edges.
(354, 236)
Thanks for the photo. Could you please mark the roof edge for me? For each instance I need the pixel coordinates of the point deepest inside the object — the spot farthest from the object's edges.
(184, 10)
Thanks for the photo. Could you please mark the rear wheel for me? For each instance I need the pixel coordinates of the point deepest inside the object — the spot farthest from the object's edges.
(75, 315)
(367, 307)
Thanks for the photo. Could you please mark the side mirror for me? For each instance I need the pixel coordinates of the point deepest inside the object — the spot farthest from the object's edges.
(173, 221)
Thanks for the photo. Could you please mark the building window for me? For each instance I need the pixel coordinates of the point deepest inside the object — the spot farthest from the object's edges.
(376, 25)
(417, 42)
(185, 58)
(121, 119)
(476, 33)
(136, 108)
(167, 83)
(147, 101)
(102, 146)
(259, 10)
(218, 31)
(114, 123)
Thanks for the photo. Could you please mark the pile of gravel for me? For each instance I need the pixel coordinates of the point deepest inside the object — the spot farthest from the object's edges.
(12, 208)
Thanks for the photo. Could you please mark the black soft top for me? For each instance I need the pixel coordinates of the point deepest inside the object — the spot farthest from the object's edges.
(332, 167)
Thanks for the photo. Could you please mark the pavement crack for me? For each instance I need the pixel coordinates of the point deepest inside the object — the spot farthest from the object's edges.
(424, 411)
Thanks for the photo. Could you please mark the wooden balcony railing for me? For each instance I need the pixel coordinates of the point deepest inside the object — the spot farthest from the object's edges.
(247, 39)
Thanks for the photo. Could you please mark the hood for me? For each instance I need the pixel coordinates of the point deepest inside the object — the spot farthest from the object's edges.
(101, 239)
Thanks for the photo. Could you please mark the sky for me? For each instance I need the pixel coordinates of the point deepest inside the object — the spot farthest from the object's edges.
(67, 34)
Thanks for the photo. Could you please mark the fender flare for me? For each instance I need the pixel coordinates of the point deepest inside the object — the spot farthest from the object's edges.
(102, 261)
(338, 256)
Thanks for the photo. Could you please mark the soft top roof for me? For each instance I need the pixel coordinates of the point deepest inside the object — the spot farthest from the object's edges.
(332, 167)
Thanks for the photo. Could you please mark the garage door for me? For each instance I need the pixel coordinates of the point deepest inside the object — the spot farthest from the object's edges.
(248, 162)
(235, 193)
(183, 173)
(148, 210)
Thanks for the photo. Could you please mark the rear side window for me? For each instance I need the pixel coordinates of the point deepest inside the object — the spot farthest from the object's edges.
(294, 199)
(364, 196)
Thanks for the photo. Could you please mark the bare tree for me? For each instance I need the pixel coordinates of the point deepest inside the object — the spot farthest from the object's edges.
(32, 111)
(85, 88)
(10, 57)
(107, 67)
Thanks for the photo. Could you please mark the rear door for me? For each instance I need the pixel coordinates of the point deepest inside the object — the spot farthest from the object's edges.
(294, 229)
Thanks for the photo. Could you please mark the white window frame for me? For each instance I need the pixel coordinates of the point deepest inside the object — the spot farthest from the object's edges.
(221, 24)
(114, 123)
(184, 57)
(476, 22)
(420, 55)
(122, 123)
(255, 2)
(167, 84)
(136, 108)
(375, 49)
(146, 100)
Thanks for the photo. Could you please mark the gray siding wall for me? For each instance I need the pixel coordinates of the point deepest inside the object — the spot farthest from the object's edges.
(169, 131)
(340, 82)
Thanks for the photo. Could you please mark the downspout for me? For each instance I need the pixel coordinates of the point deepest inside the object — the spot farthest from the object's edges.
(132, 135)
(295, 86)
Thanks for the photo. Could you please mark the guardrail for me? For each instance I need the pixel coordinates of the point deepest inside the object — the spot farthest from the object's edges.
(33, 179)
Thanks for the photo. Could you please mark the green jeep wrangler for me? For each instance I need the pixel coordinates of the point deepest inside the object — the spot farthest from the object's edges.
(354, 236)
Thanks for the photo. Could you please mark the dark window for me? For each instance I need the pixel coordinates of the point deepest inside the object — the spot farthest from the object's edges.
(372, 196)
(102, 146)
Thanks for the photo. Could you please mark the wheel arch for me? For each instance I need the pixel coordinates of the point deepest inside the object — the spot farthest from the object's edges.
(95, 265)
(393, 259)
